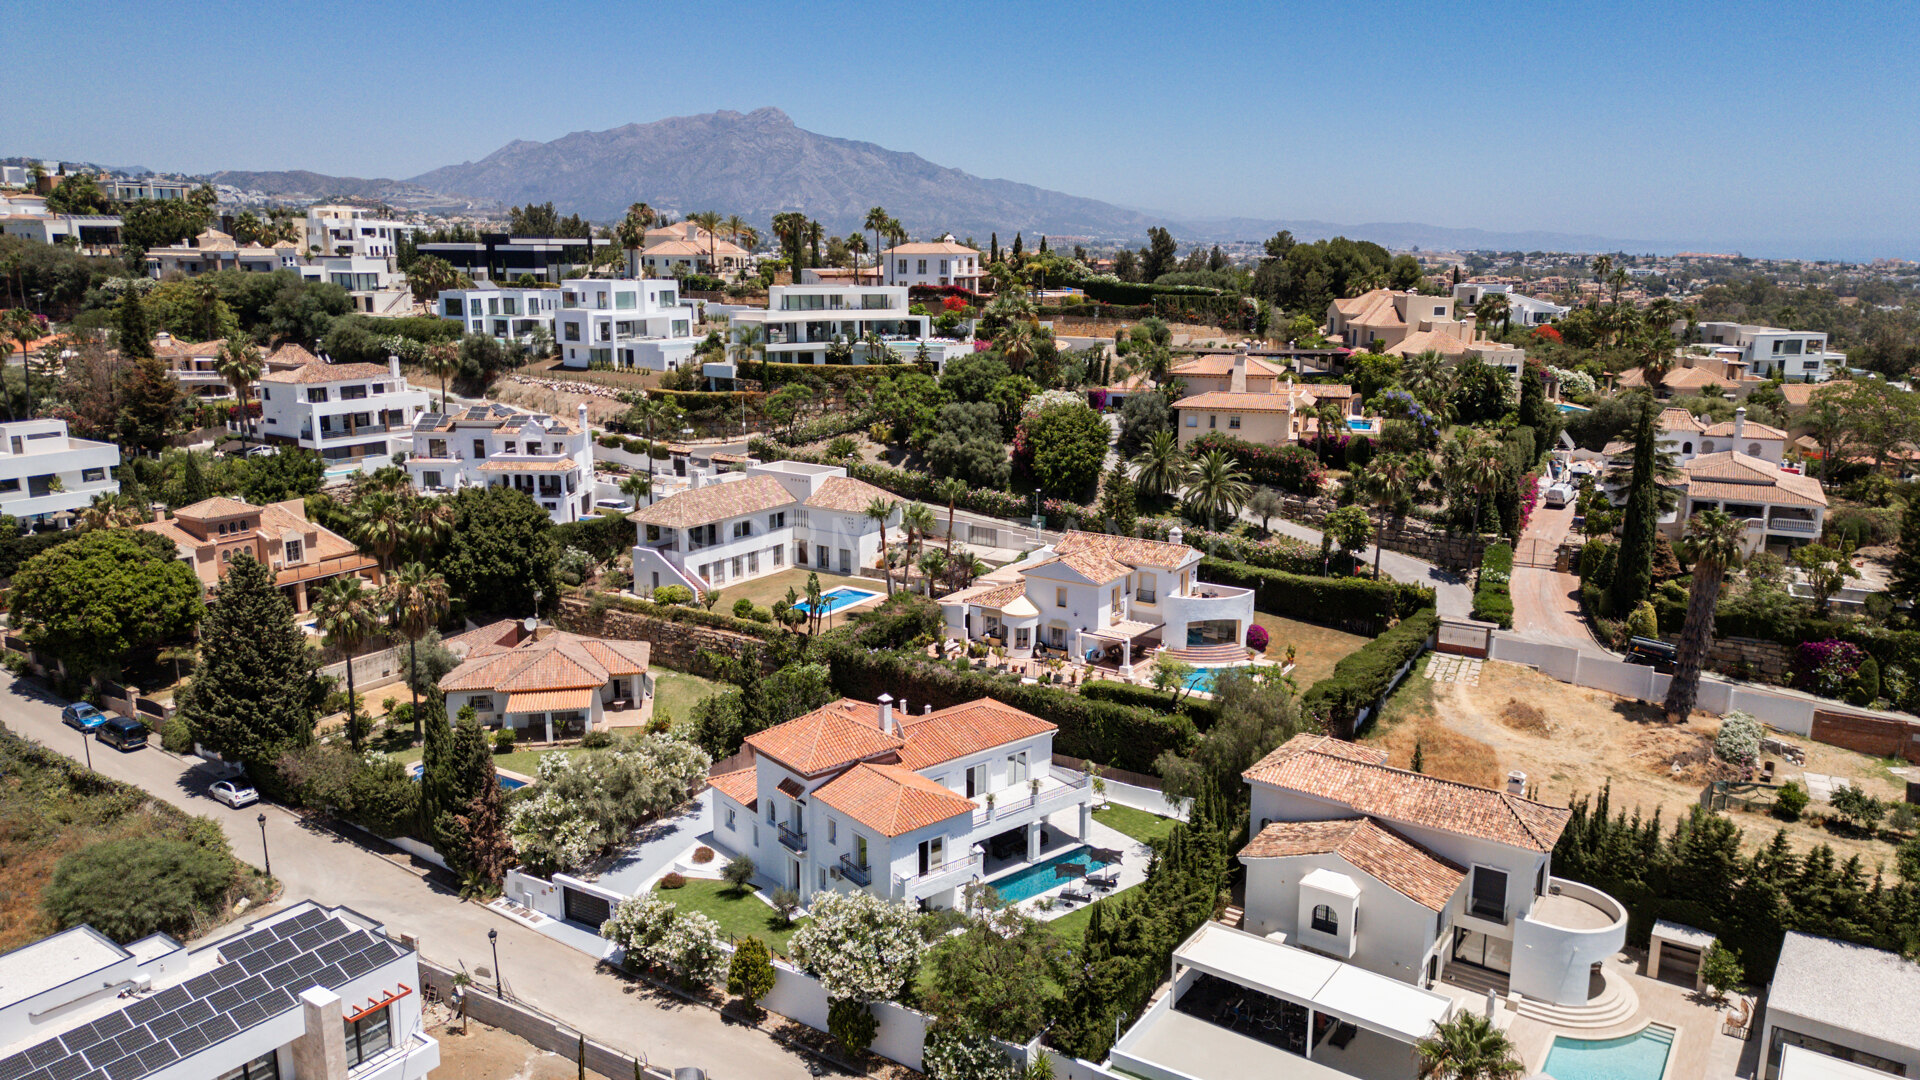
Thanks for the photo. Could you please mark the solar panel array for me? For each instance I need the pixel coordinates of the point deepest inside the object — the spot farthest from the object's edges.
(265, 973)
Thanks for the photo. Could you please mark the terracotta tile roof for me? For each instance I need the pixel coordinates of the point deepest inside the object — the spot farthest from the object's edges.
(495, 637)
(1092, 565)
(1373, 849)
(290, 356)
(1693, 378)
(1372, 308)
(1679, 420)
(1753, 430)
(1800, 395)
(1219, 365)
(890, 799)
(1131, 550)
(498, 465)
(1439, 341)
(739, 785)
(1226, 401)
(1317, 765)
(1730, 476)
(1001, 596)
(715, 502)
(173, 347)
(215, 508)
(933, 247)
(826, 738)
(539, 701)
(319, 371)
(557, 661)
(790, 787)
(847, 495)
(966, 729)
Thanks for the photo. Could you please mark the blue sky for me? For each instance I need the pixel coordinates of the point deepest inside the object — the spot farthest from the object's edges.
(1778, 128)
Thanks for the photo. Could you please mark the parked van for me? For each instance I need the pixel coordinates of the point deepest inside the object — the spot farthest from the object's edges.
(123, 733)
(1559, 495)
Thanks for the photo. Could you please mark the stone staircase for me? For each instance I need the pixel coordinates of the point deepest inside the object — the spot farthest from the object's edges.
(1615, 1005)
(1210, 655)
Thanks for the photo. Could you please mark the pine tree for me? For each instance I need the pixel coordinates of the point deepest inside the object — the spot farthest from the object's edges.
(193, 482)
(256, 691)
(1118, 508)
(1633, 566)
(149, 399)
(133, 338)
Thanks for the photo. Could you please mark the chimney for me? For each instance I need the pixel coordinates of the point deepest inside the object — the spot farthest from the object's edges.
(1517, 783)
(1238, 382)
(886, 713)
(926, 710)
(581, 412)
(393, 366)
(1739, 421)
(1174, 535)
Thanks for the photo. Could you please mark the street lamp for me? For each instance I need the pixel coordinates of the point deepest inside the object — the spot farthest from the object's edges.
(265, 855)
(493, 939)
(88, 743)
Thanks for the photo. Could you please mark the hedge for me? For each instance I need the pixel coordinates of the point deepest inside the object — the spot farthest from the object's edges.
(1123, 736)
(1362, 678)
(683, 614)
(1361, 604)
(825, 427)
(1137, 292)
(1203, 711)
(1493, 596)
(633, 445)
(1292, 468)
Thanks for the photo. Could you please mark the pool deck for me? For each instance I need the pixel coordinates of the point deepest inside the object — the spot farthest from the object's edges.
(1700, 1051)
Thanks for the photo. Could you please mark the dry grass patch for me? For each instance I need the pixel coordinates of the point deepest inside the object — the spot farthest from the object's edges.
(1521, 716)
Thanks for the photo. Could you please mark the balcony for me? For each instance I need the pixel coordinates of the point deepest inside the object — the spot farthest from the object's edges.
(854, 872)
(1555, 945)
(792, 839)
(1797, 526)
(1493, 911)
(936, 878)
(1010, 803)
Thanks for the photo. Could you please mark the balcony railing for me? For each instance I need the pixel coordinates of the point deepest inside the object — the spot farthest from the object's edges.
(793, 839)
(908, 883)
(1490, 910)
(1014, 800)
(854, 872)
(1793, 525)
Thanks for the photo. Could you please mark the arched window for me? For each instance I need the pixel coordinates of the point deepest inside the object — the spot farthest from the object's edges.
(1754, 449)
(1706, 447)
(1686, 447)
(1324, 920)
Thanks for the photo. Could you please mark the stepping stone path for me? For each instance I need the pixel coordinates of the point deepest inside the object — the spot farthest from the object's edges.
(1454, 669)
(1820, 786)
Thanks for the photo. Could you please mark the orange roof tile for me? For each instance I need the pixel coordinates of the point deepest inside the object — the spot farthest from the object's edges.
(1374, 850)
(1730, 476)
(558, 661)
(966, 729)
(1130, 550)
(738, 785)
(715, 502)
(1753, 430)
(847, 495)
(890, 799)
(1226, 401)
(826, 738)
(215, 508)
(1217, 365)
(1319, 765)
(319, 371)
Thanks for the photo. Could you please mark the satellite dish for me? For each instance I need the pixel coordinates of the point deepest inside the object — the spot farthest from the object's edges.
(530, 624)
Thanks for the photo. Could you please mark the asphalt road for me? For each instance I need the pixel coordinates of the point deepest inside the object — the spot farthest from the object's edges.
(314, 863)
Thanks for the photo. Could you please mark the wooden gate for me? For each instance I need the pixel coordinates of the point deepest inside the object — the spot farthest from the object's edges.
(1538, 554)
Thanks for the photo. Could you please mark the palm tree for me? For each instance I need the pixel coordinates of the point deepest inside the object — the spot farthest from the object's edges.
(667, 415)
(934, 565)
(1494, 306)
(1388, 479)
(919, 522)
(240, 366)
(949, 491)
(1217, 488)
(751, 341)
(1016, 344)
(429, 521)
(111, 510)
(732, 226)
(1482, 470)
(637, 486)
(880, 510)
(441, 361)
(1162, 466)
(1428, 377)
(1716, 544)
(877, 222)
(1467, 1047)
(791, 228)
(856, 245)
(815, 601)
(709, 220)
(347, 612)
(416, 600)
(381, 524)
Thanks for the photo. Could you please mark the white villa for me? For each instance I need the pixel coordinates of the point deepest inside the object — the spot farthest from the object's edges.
(624, 322)
(343, 412)
(1409, 876)
(355, 230)
(1686, 436)
(551, 684)
(44, 471)
(800, 321)
(1839, 1011)
(1525, 310)
(859, 796)
(1770, 351)
(1781, 509)
(939, 262)
(736, 526)
(548, 457)
(1107, 596)
(507, 312)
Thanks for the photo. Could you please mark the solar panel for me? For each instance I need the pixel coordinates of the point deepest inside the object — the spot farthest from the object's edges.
(139, 1012)
(164, 1027)
(225, 1000)
(304, 965)
(46, 1052)
(135, 1041)
(81, 1037)
(187, 1042)
(196, 1012)
(158, 1056)
(281, 976)
(173, 997)
(280, 951)
(67, 1068)
(330, 976)
(202, 985)
(102, 1053)
(309, 918)
(333, 952)
(309, 939)
(356, 965)
(127, 1068)
(253, 987)
(218, 1028)
(228, 974)
(114, 1023)
(248, 1013)
(15, 1067)
(276, 1001)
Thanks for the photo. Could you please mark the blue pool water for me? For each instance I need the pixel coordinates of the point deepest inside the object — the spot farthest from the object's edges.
(507, 783)
(1640, 1056)
(1359, 425)
(839, 598)
(1029, 882)
(1202, 679)
(1570, 407)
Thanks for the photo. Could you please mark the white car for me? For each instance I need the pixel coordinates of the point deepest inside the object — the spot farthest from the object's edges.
(235, 793)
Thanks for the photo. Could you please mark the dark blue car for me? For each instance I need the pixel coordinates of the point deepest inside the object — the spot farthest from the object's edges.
(82, 716)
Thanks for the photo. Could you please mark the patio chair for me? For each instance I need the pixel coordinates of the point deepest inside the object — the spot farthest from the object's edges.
(1737, 1023)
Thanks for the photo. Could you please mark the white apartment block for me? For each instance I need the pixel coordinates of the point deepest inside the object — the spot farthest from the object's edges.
(92, 232)
(44, 471)
(346, 413)
(354, 230)
(800, 321)
(147, 188)
(308, 993)
(1770, 352)
(625, 322)
(549, 458)
(942, 262)
(1525, 310)
(507, 313)
(748, 524)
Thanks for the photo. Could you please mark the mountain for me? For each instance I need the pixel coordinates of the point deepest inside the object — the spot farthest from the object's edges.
(302, 182)
(760, 164)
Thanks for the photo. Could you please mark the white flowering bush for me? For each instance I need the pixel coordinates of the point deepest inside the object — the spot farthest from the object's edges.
(957, 1053)
(550, 833)
(592, 800)
(695, 945)
(860, 947)
(1044, 400)
(1577, 383)
(1739, 738)
(640, 924)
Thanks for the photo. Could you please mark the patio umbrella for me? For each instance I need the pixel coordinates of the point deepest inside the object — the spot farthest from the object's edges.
(1069, 870)
(1106, 855)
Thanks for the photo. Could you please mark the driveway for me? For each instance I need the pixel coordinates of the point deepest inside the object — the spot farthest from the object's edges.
(1546, 602)
(315, 863)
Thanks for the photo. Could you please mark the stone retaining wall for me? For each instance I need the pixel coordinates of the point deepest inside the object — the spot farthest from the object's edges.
(676, 645)
(1414, 537)
(1751, 659)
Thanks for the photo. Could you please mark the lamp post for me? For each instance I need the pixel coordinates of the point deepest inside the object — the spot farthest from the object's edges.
(493, 939)
(265, 855)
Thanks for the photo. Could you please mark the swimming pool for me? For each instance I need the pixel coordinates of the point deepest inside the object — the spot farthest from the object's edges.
(1031, 881)
(1640, 1056)
(1202, 678)
(1357, 424)
(1567, 406)
(837, 599)
(507, 783)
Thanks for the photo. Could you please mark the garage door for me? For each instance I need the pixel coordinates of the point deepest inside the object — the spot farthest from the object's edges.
(1679, 964)
(585, 907)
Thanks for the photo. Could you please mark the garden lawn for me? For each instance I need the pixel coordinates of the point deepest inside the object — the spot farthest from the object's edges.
(524, 762)
(739, 913)
(763, 591)
(1316, 648)
(677, 693)
(1147, 828)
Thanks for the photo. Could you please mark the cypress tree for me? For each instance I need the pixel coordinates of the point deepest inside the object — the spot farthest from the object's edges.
(256, 690)
(193, 482)
(993, 251)
(455, 769)
(1633, 567)
(1905, 586)
(134, 339)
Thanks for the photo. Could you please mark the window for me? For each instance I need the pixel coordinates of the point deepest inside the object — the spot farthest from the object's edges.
(1017, 768)
(479, 448)
(453, 307)
(1020, 637)
(369, 1036)
(1439, 311)
(264, 1067)
(833, 831)
(1324, 920)
(430, 479)
(1060, 596)
(823, 878)
(1233, 423)
(481, 702)
(732, 821)
(352, 393)
(736, 566)
(742, 528)
(1193, 419)
(293, 551)
(777, 521)
(779, 555)
(1212, 421)
(923, 266)
(625, 299)
(318, 395)
(266, 394)
(753, 562)
(1145, 593)
(573, 331)
(90, 476)
(771, 819)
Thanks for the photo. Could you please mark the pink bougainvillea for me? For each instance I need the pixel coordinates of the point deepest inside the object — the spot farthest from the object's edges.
(1257, 638)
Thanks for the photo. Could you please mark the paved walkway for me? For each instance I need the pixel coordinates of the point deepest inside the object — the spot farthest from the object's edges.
(1546, 603)
(315, 863)
(1447, 668)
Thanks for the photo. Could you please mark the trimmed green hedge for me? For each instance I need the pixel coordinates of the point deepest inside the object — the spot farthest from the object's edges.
(1137, 292)
(1361, 679)
(1493, 595)
(693, 615)
(1123, 736)
(1203, 711)
(1362, 604)
(633, 445)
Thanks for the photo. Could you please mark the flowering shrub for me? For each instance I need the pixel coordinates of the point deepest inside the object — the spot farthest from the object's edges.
(981, 344)
(1400, 405)
(1293, 468)
(1825, 666)
(1577, 383)
(548, 832)
(958, 1052)
(1097, 399)
(954, 303)
(1739, 738)
(639, 924)
(1546, 333)
(860, 947)
(695, 945)
(1046, 399)
(1257, 638)
(1529, 497)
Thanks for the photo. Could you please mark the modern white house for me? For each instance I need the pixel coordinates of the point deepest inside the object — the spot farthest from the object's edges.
(801, 321)
(548, 457)
(1837, 1011)
(1686, 436)
(346, 413)
(507, 312)
(552, 684)
(94, 233)
(624, 322)
(1407, 875)
(354, 230)
(737, 526)
(309, 992)
(937, 263)
(864, 796)
(1522, 310)
(1095, 595)
(44, 471)
(1771, 352)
